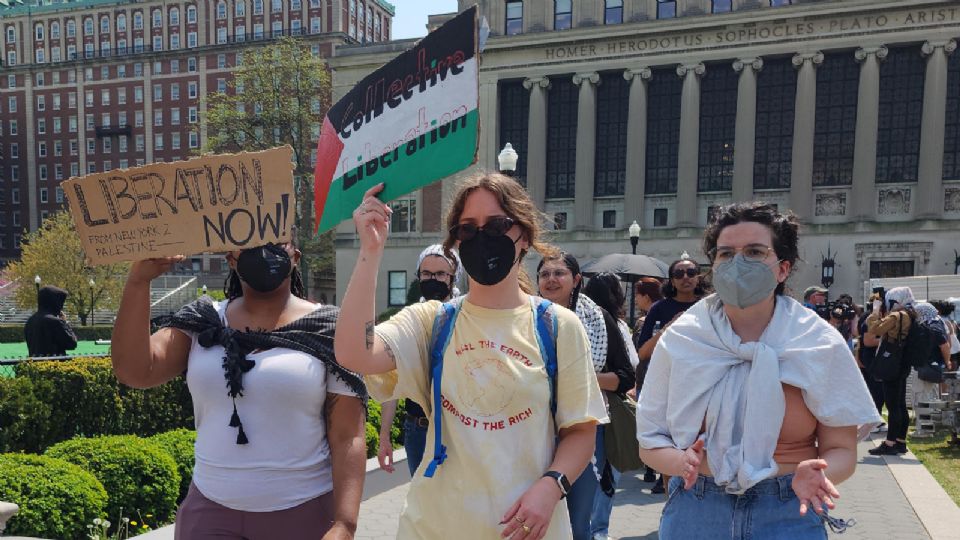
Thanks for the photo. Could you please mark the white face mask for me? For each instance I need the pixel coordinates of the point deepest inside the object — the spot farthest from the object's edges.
(743, 283)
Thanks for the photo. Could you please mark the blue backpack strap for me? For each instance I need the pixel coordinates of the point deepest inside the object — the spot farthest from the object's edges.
(440, 338)
(546, 324)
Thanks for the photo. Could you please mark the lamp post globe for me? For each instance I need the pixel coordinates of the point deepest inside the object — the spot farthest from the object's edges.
(507, 160)
(93, 285)
(36, 284)
(634, 233)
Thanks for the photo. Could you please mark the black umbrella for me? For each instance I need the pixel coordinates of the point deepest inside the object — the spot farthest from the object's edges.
(629, 267)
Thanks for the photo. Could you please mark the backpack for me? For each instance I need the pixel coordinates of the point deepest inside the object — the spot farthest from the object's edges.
(918, 345)
(545, 322)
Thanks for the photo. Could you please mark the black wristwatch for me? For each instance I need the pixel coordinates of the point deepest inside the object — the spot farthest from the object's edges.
(562, 482)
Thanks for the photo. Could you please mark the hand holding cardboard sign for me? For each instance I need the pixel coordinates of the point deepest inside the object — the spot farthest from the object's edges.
(147, 270)
(372, 219)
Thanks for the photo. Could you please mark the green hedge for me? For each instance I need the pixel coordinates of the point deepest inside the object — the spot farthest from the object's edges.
(82, 397)
(139, 476)
(57, 499)
(13, 333)
(179, 445)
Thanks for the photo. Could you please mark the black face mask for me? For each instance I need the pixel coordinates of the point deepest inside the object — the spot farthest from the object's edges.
(488, 260)
(434, 289)
(264, 268)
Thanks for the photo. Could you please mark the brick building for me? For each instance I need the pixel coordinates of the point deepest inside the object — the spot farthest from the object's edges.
(92, 85)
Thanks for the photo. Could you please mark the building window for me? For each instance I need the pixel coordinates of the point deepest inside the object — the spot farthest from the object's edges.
(191, 40)
(404, 218)
(562, 14)
(899, 115)
(951, 146)
(609, 219)
(221, 35)
(14, 129)
(138, 21)
(15, 150)
(514, 17)
(12, 104)
(157, 18)
(15, 199)
(514, 118)
(890, 269)
(71, 28)
(221, 61)
(41, 126)
(721, 6)
(157, 92)
(240, 8)
(610, 172)
(158, 141)
(59, 194)
(659, 217)
(718, 119)
(191, 14)
(613, 12)
(666, 9)
(42, 149)
(561, 138)
(838, 83)
(42, 103)
(778, 3)
(776, 99)
(221, 10)
(174, 17)
(194, 139)
(121, 23)
(157, 43)
(258, 7)
(398, 288)
(38, 31)
(560, 221)
(11, 34)
(88, 26)
(663, 131)
(104, 25)
(276, 29)
(192, 90)
(174, 41)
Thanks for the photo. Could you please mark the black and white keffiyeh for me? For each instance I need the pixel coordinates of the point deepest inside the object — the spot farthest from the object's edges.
(311, 334)
(591, 317)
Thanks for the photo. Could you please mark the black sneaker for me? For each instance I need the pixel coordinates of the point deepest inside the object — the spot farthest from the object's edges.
(885, 449)
(658, 486)
(900, 447)
(650, 476)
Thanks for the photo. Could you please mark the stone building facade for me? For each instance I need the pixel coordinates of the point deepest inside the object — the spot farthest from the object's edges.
(846, 112)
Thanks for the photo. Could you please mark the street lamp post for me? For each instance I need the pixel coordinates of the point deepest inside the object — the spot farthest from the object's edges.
(826, 271)
(507, 160)
(956, 262)
(36, 284)
(634, 231)
(92, 284)
(204, 289)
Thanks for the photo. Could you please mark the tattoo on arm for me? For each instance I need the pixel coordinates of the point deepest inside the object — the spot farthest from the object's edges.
(369, 335)
(389, 352)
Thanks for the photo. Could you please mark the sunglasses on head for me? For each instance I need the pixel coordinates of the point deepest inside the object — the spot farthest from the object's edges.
(494, 227)
(678, 273)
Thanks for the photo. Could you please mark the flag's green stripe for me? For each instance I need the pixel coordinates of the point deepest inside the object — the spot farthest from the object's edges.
(434, 161)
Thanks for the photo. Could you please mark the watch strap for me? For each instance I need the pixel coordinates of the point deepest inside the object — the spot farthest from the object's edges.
(561, 480)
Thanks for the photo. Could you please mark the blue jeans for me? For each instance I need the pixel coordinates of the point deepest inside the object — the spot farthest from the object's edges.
(602, 507)
(769, 510)
(584, 491)
(414, 442)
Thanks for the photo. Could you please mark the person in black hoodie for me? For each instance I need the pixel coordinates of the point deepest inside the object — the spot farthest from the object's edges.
(47, 332)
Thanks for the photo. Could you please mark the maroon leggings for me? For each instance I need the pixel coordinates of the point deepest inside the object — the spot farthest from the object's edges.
(199, 518)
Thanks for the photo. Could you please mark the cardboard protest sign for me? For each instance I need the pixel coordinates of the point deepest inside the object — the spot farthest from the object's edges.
(410, 123)
(212, 203)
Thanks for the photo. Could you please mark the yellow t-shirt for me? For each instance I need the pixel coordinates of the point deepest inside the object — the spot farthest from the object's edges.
(497, 423)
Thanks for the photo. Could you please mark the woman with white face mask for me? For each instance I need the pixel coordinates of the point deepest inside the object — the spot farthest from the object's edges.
(751, 402)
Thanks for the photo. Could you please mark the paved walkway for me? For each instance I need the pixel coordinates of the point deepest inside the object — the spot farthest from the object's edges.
(873, 497)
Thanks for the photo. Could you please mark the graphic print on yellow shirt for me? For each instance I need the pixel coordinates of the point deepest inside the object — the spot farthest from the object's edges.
(497, 423)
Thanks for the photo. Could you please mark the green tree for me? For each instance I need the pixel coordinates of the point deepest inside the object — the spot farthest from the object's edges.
(279, 95)
(54, 253)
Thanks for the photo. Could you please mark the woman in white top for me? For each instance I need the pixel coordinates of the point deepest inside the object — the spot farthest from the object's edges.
(752, 402)
(280, 450)
(505, 456)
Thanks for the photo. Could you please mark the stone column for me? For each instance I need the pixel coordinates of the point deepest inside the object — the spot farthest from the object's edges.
(489, 125)
(537, 139)
(930, 175)
(147, 114)
(746, 127)
(865, 147)
(202, 103)
(586, 149)
(636, 144)
(81, 120)
(801, 168)
(689, 151)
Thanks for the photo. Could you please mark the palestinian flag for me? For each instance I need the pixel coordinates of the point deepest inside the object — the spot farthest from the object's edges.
(408, 124)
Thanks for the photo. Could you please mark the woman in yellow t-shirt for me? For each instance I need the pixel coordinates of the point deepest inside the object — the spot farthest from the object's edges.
(509, 458)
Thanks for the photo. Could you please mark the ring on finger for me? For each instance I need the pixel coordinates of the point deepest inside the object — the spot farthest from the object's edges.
(518, 519)
(526, 529)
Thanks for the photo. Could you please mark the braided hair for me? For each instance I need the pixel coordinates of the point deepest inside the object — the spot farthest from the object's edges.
(232, 288)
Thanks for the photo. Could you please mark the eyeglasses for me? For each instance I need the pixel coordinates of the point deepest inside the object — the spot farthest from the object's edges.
(442, 275)
(494, 227)
(559, 273)
(751, 252)
(678, 273)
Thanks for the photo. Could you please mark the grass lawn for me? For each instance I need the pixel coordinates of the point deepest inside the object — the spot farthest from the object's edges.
(941, 459)
(19, 350)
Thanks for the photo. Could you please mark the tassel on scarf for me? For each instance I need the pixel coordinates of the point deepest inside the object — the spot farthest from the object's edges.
(241, 436)
(235, 418)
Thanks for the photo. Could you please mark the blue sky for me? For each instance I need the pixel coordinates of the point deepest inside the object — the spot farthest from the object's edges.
(411, 16)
